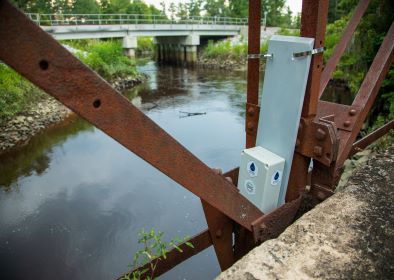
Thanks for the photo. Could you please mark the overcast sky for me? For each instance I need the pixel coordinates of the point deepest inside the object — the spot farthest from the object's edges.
(295, 5)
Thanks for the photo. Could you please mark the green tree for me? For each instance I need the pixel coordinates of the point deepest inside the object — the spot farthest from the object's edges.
(360, 53)
(274, 9)
(215, 8)
(85, 7)
(154, 11)
(288, 18)
(194, 7)
(182, 11)
(117, 6)
(138, 7)
(238, 8)
(172, 10)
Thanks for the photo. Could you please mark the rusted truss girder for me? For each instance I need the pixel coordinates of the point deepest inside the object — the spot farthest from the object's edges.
(341, 46)
(324, 126)
(252, 98)
(372, 137)
(313, 25)
(43, 61)
(368, 92)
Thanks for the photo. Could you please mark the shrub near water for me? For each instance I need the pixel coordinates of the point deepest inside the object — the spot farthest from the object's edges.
(107, 59)
(16, 93)
(226, 50)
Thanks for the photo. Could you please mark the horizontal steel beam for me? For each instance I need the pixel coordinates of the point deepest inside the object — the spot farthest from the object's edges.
(370, 138)
(200, 242)
(37, 56)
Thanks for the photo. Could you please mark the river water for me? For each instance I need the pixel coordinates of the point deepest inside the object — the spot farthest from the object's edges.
(73, 200)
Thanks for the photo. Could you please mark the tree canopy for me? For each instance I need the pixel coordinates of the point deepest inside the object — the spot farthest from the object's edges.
(277, 13)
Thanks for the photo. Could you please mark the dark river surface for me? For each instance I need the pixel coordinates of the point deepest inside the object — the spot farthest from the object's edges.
(73, 200)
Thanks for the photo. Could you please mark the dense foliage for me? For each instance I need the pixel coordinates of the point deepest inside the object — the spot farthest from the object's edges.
(105, 57)
(355, 63)
(238, 51)
(16, 93)
(278, 14)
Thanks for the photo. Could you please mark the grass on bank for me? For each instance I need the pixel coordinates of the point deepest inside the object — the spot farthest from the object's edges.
(225, 49)
(16, 93)
(104, 57)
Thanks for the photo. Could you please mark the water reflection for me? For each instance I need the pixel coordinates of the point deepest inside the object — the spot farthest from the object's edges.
(35, 158)
(73, 200)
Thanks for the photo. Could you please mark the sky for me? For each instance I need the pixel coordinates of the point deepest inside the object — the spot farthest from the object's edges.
(295, 5)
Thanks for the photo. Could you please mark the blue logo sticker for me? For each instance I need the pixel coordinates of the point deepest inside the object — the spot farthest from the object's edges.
(252, 169)
(276, 177)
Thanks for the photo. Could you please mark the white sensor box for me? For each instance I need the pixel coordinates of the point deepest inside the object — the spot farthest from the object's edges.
(260, 177)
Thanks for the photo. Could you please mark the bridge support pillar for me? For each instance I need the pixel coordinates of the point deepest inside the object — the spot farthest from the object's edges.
(191, 55)
(129, 45)
(177, 50)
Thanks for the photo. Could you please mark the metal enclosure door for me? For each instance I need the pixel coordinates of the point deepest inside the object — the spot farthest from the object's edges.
(282, 98)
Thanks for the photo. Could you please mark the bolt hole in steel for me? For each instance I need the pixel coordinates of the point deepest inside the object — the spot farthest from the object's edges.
(44, 65)
(97, 103)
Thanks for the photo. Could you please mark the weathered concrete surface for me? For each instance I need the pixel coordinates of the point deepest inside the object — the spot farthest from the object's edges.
(349, 236)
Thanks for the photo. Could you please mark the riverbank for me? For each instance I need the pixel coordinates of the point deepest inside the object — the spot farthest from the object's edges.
(44, 114)
(222, 64)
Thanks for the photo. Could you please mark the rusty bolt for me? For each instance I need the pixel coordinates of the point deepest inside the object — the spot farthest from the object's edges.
(318, 151)
(320, 134)
(347, 123)
(251, 111)
(218, 233)
(320, 196)
(352, 112)
(300, 128)
(298, 143)
(263, 226)
(250, 126)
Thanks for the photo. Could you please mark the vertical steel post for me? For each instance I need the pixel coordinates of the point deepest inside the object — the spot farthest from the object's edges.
(313, 25)
(253, 72)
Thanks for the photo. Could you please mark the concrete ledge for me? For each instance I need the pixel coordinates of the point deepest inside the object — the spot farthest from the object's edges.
(349, 236)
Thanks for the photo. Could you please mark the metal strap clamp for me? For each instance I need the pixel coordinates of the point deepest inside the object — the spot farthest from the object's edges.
(260, 55)
(311, 52)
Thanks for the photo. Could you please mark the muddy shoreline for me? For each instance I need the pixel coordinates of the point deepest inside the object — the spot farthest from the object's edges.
(45, 114)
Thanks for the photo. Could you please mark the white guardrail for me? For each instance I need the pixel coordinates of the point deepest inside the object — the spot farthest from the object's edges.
(108, 19)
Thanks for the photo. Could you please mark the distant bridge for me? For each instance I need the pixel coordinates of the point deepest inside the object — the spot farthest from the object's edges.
(176, 39)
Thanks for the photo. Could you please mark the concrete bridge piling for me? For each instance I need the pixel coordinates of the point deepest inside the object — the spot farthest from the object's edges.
(178, 50)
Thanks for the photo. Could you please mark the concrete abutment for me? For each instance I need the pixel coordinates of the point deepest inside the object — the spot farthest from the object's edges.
(177, 50)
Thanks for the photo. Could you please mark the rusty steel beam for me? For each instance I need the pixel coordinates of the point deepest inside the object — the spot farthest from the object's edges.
(272, 225)
(253, 72)
(313, 25)
(200, 242)
(38, 57)
(341, 46)
(221, 228)
(368, 92)
(221, 233)
(370, 138)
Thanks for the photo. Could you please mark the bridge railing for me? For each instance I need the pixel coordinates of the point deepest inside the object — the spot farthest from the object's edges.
(108, 19)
